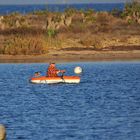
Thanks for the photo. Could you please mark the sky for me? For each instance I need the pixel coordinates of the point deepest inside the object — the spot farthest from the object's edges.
(59, 1)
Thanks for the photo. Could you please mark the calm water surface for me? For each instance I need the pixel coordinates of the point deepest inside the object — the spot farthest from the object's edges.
(104, 106)
(7, 9)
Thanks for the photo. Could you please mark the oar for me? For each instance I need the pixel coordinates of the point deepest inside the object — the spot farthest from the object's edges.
(62, 76)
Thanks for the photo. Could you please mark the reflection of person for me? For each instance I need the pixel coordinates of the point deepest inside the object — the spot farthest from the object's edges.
(53, 71)
(37, 74)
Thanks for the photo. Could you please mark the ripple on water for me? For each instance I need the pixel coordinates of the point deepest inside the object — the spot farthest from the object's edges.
(105, 105)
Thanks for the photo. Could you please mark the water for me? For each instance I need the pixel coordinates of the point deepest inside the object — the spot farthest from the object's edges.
(104, 106)
(6, 9)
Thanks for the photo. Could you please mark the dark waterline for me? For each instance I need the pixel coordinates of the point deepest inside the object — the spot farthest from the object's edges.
(104, 106)
(7, 9)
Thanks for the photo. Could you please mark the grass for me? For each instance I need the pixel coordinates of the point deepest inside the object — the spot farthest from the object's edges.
(17, 45)
(28, 34)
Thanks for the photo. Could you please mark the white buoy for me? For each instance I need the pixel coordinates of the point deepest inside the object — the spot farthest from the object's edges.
(78, 70)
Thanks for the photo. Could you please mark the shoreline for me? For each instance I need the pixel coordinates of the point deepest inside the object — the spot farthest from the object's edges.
(73, 56)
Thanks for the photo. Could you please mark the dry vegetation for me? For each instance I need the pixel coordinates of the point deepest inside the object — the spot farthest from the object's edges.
(43, 31)
(24, 45)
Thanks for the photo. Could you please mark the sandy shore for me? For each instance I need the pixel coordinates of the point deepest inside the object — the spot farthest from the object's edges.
(73, 56)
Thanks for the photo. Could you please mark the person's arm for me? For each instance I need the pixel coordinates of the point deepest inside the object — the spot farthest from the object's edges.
(62, 71)
(59, 71)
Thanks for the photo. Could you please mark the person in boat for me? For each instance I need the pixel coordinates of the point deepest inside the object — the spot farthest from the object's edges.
(37, 74)
(53, 71)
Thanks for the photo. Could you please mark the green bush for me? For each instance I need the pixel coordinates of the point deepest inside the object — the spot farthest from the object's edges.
(130, 21)
(131, 9)
(51, 33)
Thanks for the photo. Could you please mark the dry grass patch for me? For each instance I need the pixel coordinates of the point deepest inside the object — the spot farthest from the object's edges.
(27, 45)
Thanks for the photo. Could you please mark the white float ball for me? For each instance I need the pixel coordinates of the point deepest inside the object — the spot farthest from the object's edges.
(78, 70)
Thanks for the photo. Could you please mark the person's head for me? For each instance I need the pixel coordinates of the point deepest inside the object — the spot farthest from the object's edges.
(52, 64)
(37, 73)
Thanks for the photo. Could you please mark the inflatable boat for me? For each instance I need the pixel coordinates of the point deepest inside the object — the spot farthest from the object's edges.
(55, 80)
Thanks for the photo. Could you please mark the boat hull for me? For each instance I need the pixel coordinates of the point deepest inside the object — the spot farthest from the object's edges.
(55, 80)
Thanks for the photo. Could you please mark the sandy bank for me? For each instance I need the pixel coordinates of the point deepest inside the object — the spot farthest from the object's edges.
(73, 56)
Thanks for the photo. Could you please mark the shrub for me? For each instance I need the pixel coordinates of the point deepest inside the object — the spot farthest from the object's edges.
(78, 27)
(26, 45)
(130, 21)
(90, 16)
(103, 18)
(53, 43)
(131, 9)
(57, 18)
(22, 31)
(88, 12)
(91, 19)
(95, 42)
(70, 11)
(104, 28)
(1, 49)
(116, 12)
(9, 20)
(51, 33)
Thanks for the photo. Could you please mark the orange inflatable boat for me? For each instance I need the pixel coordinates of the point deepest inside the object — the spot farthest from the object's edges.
(55, 80)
